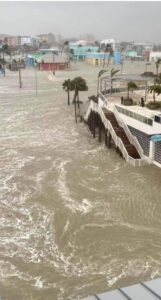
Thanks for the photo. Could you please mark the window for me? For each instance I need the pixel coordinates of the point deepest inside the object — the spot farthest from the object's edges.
(136, 116)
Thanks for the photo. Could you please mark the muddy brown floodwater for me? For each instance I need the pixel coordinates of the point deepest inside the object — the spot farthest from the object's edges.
(76, 219)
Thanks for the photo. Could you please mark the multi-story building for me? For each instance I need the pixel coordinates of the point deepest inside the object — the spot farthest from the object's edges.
(101, 59)
(13, 41)
(108, 42)
(79, 51)
(25, 40)
(49, 38)
(154, 56)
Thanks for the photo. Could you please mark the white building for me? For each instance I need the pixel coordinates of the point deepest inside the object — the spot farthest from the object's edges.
(109, 42)
(134, 130)
(144, 46)
(25, 40)
(154, 56)
(80, 42)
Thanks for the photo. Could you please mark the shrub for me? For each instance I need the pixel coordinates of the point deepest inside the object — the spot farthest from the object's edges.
(152, 105)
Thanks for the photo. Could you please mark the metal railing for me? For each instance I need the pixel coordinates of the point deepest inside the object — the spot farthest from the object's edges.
(117, 140)
(122, 90)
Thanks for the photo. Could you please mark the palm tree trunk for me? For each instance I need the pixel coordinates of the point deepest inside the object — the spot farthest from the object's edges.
(128, 94)
(108, 60)
(68, 97)
(104, 60)
(111, 86)
(157, 67)
(75, 97)
(78, 99)
(154, 96)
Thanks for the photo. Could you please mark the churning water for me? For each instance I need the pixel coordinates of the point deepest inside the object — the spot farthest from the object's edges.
(75, 217)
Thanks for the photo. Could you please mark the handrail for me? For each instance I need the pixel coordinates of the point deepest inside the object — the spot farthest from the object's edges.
(118, 142)
(102, 96)
(122, 89)
(133, 140)
(108, 125)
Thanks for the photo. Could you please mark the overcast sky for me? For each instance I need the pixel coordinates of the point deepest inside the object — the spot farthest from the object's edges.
(128, 21)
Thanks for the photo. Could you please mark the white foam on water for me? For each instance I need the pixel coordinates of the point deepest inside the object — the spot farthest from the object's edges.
(39, 283)
(64, 191)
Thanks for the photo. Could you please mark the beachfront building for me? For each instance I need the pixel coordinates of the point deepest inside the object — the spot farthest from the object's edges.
(99, 59)
(110, 42)
(51, 61)
(154, 56)
(78, 51)
(30, 59)
(25, 40)
(135, 131)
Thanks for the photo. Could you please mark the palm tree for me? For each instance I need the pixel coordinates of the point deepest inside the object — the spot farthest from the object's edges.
(97, 44)
(157, 63)
(66, 86)
(4, 50)
(67, 50)
(155, 89)
(99, 75)
(107, 49)
(113, 73)
(76, 85)
(130, 87)
(111, 52)
(159, 78)
(71, 53)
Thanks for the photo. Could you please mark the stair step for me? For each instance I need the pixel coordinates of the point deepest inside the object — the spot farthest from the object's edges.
(132, 151)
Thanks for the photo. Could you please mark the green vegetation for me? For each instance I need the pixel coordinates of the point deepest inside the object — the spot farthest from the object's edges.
(66, 87)
(152, 105)
(78, 84)
(157, 64)
(130, 87)
(155, 89)
(113, 73)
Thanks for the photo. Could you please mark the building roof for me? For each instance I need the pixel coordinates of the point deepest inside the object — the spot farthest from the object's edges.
(50, 58)
(106, 41)
(81, 42)
(150, 290)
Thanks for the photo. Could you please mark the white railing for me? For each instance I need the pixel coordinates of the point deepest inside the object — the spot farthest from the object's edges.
(133, 140)
(102, 97)
(117, 140)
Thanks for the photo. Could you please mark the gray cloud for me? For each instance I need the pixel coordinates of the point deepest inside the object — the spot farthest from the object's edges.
(139, 21)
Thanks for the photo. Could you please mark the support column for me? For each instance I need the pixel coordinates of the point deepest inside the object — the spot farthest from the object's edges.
(100, 130)
(106, 140)
(93, 125)
(109, 140)
(152, 151)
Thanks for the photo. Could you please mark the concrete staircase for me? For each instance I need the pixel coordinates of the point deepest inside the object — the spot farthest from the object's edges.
(131, 149)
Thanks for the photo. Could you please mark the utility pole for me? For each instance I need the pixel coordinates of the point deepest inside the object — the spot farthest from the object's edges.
(19, 71)
(53, 63)
(36, 79)
(75, 105)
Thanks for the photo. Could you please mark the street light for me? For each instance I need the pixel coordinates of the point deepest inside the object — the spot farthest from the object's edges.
(99, 75)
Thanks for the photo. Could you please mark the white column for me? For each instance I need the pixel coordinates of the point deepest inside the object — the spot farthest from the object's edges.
(152, 151)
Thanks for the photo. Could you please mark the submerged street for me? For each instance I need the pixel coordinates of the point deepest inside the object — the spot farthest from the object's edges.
(76, 219)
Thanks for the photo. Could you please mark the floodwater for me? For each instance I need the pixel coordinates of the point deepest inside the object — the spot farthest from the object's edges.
(76, 219)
